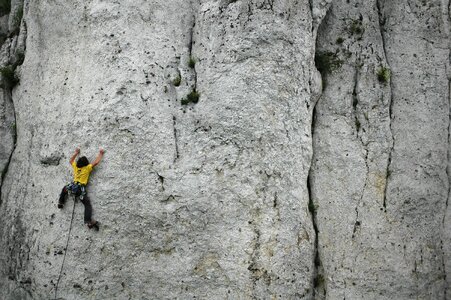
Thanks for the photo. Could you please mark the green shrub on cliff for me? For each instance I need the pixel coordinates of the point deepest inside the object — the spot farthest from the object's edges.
(383, 75)
(327, 62)
(177, 80)
(5, 7)
(192, 97)
(9, 78)
(191, 62)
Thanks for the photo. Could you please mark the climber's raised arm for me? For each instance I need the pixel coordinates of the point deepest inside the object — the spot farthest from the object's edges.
(72, 159)
(98, 158)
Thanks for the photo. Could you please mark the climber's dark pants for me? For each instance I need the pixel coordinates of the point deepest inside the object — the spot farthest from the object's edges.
(88, 209)
(79, 191)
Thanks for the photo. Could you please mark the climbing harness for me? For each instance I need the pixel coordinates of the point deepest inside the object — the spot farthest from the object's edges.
(77, 189)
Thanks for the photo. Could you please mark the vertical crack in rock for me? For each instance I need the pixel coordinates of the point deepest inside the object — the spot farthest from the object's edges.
(448, 173)
(176, 142)
(392, 146)
(310, 2)
(190, 50)
(254, 268)
(445, 7)
(319, 288)
(355, 102)
(17, 55)
(317, 259)
(13, 233)
(8, 97)
(318, 279)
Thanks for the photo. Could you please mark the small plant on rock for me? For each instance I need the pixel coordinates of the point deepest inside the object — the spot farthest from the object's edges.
(191, 62)
(383, 75)
(340, 40)
(184, 101)
(192, 97)
(5, 7)
(177, 80)
(327, 62)
(312, 207)
(9, 78)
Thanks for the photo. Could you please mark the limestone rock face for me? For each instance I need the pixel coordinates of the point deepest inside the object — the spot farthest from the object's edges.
(255, 149)
(379, 172)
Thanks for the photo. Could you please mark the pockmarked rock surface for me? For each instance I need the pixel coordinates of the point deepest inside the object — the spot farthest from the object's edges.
(379, 172)
(255, 149)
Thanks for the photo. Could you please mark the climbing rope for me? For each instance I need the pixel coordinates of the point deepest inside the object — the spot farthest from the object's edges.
(65, 251)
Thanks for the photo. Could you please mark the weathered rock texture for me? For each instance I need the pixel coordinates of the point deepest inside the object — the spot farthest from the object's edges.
(379, 173)
(279, 183)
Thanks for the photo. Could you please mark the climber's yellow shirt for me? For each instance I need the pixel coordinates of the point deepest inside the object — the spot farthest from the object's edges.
(81, 175)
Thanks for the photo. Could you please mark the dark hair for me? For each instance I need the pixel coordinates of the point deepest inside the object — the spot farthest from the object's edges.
(82, 162)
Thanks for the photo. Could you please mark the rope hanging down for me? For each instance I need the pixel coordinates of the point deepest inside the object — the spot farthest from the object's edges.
(65, 251)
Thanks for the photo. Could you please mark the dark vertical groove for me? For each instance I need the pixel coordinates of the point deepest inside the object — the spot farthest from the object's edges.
(7, 92)
(174, 126)
(254, 267)
(319, 288)
(445, 8)
(312, 209)
(8, 97)
(310, 2)
(191, 36)
(448, 173)
(190, 50)
(382, 32)
(317, 259)
(355, 102)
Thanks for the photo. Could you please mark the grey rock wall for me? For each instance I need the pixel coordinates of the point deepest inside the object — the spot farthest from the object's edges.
(198, 200)
(352, 142)
(379, 172)
(278, 183)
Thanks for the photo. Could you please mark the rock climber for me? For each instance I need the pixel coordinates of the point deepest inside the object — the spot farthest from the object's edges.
(82, 169)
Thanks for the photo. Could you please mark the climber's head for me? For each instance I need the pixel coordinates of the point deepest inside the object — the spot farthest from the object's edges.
(82, 162)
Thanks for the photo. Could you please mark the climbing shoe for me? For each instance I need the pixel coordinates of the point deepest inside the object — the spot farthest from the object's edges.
(60, 205)
(94, 225)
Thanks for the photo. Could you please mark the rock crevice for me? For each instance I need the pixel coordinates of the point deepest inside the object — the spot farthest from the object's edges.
(9, 121)
(446, 232)
(381, 15)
